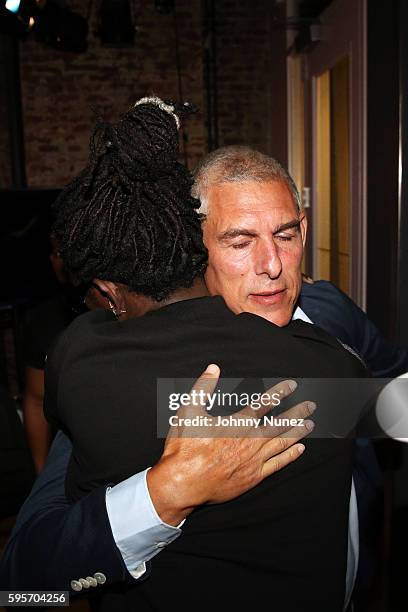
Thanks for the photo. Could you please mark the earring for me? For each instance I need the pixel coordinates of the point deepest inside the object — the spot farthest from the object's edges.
(117, 313)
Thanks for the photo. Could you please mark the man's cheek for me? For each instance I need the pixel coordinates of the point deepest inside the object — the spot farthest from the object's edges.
(216, 278)
(235, 264)
(291, 263)
(226, 266)
(234, 270)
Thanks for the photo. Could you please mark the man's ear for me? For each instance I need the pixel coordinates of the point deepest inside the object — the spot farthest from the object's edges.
(303, 227)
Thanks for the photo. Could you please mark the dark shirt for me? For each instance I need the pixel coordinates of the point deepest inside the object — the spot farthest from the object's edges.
(288, 536)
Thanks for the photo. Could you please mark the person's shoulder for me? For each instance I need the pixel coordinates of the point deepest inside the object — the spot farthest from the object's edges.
(327, 297)
(79, 331)
(322, 289)
(200, 310)
(256, 326)
(88, 320)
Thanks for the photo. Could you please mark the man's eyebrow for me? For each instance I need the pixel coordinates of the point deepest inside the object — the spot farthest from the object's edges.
(295, 223)
(241, 231)
(235, 232)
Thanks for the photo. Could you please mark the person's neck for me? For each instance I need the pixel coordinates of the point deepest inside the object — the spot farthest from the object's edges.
(144, 304)
(197, 290)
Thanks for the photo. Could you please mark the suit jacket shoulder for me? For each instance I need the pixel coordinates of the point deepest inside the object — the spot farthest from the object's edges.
(335, 312)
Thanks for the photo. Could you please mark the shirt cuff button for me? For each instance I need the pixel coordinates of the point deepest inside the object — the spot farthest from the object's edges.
(76, 585)
(100, 578)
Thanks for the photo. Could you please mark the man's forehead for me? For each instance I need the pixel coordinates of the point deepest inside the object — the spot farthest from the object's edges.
(251, 198)
(230, 213)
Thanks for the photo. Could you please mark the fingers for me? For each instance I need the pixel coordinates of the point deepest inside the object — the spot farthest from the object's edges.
(281, 451)
(277, 445)
(277, 462)
(270, 399)
(203, 387)
(291, 421)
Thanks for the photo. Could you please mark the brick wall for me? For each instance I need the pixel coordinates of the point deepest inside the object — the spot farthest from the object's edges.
(251, 75)
(59, 89)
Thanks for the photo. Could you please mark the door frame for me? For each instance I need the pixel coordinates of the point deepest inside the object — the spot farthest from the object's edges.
(342, 32)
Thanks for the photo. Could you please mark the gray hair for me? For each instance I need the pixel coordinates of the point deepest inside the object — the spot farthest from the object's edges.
(237, 164)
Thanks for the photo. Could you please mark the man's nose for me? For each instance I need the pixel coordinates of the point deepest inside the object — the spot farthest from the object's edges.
(268, 260)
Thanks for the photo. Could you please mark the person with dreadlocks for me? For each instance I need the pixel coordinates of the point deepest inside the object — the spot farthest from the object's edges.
(129, 216)
(128, 225)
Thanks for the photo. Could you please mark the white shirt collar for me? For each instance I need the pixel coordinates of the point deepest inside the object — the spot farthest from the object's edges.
(299, 314)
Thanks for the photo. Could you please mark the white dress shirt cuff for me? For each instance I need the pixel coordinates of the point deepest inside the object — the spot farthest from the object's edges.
(137, 529)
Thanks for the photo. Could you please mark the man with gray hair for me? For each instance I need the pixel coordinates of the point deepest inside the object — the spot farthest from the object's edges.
(254, 230)
(253, 224)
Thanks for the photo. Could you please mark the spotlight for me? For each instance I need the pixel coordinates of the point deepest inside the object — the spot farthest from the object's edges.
(51, 22)
(13, 5)
(116, 26)
(18, 17)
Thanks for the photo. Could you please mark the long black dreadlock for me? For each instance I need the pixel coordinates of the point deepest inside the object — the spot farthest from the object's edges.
(129, 216)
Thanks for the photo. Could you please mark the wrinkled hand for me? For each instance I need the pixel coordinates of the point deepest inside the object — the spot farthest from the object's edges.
(202, 465)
